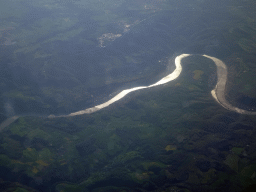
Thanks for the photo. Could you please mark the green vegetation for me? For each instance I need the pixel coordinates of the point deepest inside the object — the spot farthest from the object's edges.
(174, 133)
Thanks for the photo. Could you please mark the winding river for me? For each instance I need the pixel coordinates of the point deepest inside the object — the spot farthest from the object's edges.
(218, 93)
